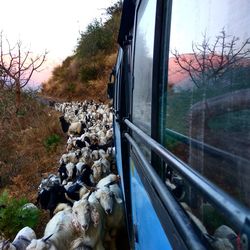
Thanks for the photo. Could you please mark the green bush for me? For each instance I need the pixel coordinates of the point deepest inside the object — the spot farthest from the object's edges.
(88, 73)
(13, 218)
(71, 88)
(51, 142)
(100, 36)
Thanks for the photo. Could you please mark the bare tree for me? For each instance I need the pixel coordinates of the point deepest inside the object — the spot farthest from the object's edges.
(209, 62)
(17, 66)
(3, 79)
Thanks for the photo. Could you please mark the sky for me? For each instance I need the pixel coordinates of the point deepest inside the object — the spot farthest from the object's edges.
(208, 17)
(52, 25)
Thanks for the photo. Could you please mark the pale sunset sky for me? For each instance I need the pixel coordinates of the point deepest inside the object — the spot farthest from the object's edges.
(51, 25)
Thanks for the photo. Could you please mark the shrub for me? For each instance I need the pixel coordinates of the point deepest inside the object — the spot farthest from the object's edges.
(88, 73)
(51, 142)
(13, 218)
(71, 87)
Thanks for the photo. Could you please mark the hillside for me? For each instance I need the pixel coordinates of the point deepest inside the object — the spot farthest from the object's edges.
(31, 143)
(95, 89)
(84, 74)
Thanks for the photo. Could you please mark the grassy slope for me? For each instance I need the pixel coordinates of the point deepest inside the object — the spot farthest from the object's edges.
(93, 89)
(24, 158)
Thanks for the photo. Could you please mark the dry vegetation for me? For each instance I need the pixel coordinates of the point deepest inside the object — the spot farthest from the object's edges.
(75, 90)
(24, 155)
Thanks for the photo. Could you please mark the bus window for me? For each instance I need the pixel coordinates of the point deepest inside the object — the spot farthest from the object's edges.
(117, 86)
(143, 69)
(143, 65)
(207, 118)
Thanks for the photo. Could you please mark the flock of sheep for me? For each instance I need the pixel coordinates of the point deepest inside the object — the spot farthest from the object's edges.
(84, 197)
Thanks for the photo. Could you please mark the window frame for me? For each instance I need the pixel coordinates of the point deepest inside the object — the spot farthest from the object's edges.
(159, 86)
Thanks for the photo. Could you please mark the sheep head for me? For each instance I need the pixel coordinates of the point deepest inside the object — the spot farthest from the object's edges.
(81, 215)
(105, 197)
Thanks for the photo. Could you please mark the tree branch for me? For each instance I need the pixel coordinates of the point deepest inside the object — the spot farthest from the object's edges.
(211, 61)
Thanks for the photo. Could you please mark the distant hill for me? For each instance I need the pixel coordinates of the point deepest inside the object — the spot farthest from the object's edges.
(180, 78)
(175, 74)
(84, 74)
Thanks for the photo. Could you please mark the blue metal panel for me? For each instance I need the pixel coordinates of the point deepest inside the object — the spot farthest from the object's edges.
(149, 230)
(118, 153)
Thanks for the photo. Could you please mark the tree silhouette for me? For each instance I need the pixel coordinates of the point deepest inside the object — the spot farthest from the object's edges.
(4, 80)
(17, 66)
(210, 62)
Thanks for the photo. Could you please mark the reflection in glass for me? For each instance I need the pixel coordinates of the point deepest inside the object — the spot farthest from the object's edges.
(208, 94)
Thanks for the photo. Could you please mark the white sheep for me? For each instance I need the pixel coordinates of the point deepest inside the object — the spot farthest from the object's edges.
(95, 155)
(21, 241)
(88, 218)
(70, 157)
(79, 168)
(101, 168)
(29, 206)
(58, 234)
(110, 154)
(75, 128)
(61, 207)
(110, 197)
(70, 170)
(86, 157)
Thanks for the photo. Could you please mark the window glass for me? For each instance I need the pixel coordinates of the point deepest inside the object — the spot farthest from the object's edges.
(207, 119)
(143, 65)
(118, 82)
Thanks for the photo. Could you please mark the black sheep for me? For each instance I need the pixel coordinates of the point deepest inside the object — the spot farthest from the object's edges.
(96, 146)
(85, 175)
(86, 138)
(43, 198)
(49, 199)
(80, 144)
(64, 124)
(57, 195)
(73, 191)
(83, 180)
(63, 172)
(83, 127)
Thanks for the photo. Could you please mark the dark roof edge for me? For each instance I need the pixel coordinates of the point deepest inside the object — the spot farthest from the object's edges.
(127, 20)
